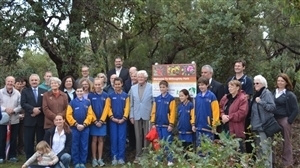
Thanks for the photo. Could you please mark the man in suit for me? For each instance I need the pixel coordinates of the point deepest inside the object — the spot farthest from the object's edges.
(216, 87)
(85, 74)
(141, 100)
(132, 80)
(31, 102)
(127, 86)
(119, 70)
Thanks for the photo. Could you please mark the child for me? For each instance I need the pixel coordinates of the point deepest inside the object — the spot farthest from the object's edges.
(207, 111)
(43, 155)
(163, 115)
(186, 118)
(118, 111)
(79, 115)
(98, 100)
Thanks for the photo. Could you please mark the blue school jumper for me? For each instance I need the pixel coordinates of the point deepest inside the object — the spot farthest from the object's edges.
(185, 114)
(98, 104)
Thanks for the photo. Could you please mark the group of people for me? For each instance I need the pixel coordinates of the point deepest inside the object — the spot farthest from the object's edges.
(61, 115)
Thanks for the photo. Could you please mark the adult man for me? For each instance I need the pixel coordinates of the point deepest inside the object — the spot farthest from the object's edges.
(247, 86)
(85, 74)
(216, 87)
(127, 86)
(110, 88)
(119, 70)
(10, 103)
(140, 109)
(132, 80)
(31, 102)
(46, 84)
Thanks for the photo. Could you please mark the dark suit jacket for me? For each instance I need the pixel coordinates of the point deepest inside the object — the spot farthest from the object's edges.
(124, 74)
(127, 85)
(28, 103)
(217, 88)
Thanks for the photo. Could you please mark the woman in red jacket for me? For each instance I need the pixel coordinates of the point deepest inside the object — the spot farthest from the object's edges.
(234, 109)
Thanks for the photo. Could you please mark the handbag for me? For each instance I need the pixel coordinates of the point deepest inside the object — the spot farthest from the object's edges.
(270, 126)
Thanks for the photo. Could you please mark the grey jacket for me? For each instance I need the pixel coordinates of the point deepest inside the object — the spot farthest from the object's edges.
(13, 101)
(265, 107)
(141, 108)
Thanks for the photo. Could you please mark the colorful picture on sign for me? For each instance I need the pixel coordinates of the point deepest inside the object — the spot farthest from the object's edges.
(179, 76)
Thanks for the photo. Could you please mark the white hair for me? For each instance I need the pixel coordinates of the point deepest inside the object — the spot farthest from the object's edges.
(262, 80)
(55, 79)
(34, 75)
(142, 72)
(208, 67)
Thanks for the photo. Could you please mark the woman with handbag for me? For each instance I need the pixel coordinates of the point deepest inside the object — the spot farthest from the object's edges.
(262, 107)
(285, 113)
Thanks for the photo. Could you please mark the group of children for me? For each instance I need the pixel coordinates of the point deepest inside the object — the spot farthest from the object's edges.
(88, 117)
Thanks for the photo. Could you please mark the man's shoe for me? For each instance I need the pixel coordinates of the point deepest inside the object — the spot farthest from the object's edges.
(170, 163)
(136, 160)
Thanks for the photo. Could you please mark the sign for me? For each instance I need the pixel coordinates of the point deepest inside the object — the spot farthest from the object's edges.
(179, 76)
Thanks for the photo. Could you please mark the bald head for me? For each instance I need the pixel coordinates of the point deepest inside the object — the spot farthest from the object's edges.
(132, 70)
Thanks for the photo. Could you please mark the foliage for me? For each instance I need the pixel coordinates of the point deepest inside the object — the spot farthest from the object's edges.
(222, 154)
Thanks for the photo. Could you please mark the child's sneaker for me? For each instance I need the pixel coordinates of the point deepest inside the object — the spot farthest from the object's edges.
(170, 163)
(101, 163)
(13, 160)
(1, 161)
(82, 166)
(114, 162)
(121, 162)
(94, 163)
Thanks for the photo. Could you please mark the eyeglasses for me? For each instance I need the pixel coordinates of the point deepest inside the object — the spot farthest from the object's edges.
(256, 83)
(101, 76)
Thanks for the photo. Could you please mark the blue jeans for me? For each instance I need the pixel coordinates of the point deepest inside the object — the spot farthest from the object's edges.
(65, 160)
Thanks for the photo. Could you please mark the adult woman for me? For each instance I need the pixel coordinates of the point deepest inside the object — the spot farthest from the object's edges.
(87, 86)
(234, 109)
(54, 102)
(68, 86)
(59, 138)
(103, 76)
(285, 113)
(262, 107)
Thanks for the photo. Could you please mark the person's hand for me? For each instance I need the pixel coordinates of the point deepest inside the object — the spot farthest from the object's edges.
(98, 124)
(153, 126)
(170, 128)
(132, 120)
(194, 128)
(115, 120)
(80, 127)
(225, 119)
(9, 111)
(121, 121)
(50, 163)
(257, 100)
(24, 166)
(39, 158)
(36, 110)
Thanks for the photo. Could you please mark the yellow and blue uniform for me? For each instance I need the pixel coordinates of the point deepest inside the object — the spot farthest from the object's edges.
(79, 111)
(98, 102)
(186, 118)
(163, 115)
(117, 106)
(207, 114)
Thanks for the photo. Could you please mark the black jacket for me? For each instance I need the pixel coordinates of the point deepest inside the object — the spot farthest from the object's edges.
(49, 137)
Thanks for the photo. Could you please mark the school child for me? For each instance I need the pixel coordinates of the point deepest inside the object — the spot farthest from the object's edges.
(186, 118)
(43, 155)
(163, 116)
(79, 116)
(207, 111)
(98, 100)
(118, 111)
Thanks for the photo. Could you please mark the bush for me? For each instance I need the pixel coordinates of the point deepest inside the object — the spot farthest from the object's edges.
(217, 154)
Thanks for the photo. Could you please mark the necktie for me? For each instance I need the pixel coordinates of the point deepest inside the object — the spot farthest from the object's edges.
(35, 94)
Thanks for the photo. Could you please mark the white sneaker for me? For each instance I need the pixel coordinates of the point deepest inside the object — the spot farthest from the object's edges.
(170, 163)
